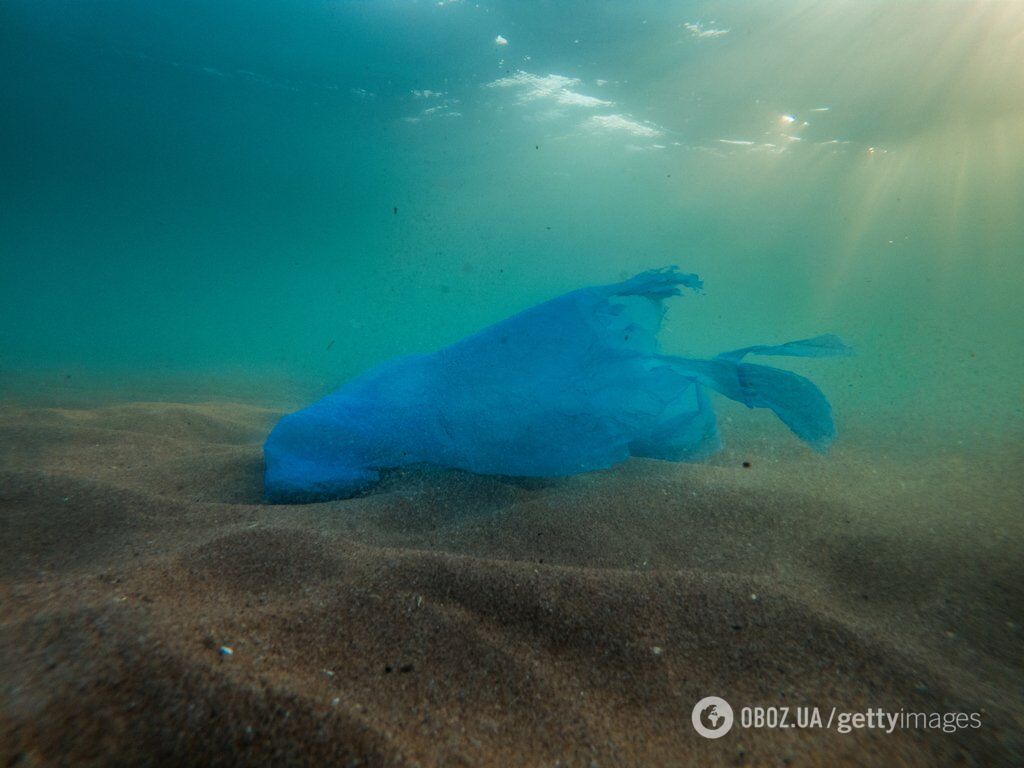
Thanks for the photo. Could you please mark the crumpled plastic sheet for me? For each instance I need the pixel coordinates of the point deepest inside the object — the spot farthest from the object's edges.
(574, 384)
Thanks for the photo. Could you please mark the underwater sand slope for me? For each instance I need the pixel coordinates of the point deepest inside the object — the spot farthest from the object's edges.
(450, 619)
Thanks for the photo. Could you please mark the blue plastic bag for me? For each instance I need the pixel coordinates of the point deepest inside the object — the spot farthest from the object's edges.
(571, 385)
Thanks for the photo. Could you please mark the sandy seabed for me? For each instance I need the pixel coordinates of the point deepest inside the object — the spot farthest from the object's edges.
(448, 619)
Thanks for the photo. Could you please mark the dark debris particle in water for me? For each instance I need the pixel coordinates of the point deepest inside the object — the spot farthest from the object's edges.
(394, 210)
(330, 344)
(747, 465)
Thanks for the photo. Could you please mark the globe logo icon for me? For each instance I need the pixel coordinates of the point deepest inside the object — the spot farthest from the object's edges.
(712, 717)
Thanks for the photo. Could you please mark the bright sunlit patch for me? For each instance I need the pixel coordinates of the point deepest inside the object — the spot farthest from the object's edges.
(580, 100)
(440, 105)
(560, 90)
(623, 123)
(438, 111)
(697, 29)
(553, 87)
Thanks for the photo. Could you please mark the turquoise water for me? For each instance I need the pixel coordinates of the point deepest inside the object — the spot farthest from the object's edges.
(213, 213)
(259, 200)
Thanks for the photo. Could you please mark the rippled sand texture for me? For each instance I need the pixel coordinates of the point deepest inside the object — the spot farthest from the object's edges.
(457, 620)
